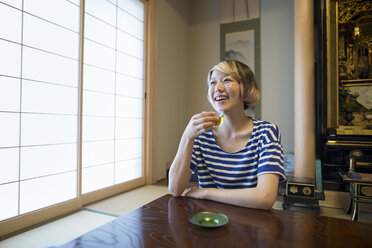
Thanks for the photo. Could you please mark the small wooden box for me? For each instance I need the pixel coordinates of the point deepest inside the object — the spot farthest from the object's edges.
(300, 187)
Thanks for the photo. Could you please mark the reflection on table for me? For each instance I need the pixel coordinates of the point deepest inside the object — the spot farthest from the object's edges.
(165, 223)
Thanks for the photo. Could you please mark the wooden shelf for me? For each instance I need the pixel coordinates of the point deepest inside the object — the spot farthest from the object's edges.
(353, 130)
(357, 82)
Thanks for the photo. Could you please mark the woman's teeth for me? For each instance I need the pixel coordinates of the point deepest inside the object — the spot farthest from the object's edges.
(220, 98)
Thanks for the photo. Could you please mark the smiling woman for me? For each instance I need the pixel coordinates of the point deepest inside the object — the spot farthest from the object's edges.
(239, 162)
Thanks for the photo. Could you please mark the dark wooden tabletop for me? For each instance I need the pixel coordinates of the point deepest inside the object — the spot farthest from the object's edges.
(165, 223)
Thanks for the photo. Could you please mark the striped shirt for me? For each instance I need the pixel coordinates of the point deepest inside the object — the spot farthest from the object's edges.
(219, 169)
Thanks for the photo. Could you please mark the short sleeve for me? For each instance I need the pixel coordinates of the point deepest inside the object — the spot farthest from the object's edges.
(194, 156)
(271, 153)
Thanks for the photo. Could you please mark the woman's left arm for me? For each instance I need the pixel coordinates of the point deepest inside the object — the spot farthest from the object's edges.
(262, 196)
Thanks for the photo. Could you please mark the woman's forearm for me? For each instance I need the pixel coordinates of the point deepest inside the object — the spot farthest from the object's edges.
(251, 198)
(179, 173)
(262, 196)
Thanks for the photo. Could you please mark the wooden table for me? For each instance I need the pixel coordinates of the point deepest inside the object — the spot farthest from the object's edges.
(165, 223)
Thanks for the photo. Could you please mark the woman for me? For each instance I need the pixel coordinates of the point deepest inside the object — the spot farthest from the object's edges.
(239, 162)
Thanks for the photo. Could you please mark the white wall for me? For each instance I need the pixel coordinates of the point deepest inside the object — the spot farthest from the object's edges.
(204, 52)
(277, 60)
(171, 88)
(189, 45)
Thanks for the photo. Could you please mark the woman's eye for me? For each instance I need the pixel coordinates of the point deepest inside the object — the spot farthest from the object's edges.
(227, 80)
(212, 83)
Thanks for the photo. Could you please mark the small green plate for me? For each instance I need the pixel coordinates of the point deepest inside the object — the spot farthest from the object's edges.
(209, 219)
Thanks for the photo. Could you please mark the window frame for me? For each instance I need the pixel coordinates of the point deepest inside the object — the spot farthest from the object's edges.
(12, 225)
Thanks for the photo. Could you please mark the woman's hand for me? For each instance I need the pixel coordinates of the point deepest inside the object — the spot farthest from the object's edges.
(200, 123)
(196, 192)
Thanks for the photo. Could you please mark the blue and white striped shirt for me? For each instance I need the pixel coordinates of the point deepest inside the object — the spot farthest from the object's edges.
(219, 169)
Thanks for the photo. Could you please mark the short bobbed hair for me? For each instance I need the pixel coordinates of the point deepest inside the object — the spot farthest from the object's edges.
(244, 75)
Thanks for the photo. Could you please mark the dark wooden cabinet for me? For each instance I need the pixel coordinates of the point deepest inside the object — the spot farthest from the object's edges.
(335, 158)
(342, 34)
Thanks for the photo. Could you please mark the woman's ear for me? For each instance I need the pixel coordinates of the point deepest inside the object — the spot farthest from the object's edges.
(241, 90)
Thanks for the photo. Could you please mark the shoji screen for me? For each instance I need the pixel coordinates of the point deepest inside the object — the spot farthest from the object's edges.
(39, 102)
(112, 148)
(39, 50)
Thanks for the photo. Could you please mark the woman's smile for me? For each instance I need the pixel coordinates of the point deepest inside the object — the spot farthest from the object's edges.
(221, 98)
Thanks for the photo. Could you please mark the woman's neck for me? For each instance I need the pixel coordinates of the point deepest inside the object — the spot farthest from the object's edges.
(235, 124)
(234, 133)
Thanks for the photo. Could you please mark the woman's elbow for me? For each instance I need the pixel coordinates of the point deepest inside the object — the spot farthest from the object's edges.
(267, 202)
(267, 205)
(174, 192)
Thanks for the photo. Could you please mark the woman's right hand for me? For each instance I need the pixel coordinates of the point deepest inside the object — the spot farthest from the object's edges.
(200, 123)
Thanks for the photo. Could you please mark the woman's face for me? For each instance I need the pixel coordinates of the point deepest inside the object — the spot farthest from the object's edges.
(224, 91)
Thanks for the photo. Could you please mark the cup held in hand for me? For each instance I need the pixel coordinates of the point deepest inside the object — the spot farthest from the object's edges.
(220, 119)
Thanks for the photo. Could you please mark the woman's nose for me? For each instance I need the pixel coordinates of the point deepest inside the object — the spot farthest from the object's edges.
(219, 86)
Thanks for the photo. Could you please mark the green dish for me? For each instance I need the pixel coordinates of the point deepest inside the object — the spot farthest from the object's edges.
(209, 219)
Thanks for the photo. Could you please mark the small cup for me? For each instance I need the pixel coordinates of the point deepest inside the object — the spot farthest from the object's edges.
(220, 119)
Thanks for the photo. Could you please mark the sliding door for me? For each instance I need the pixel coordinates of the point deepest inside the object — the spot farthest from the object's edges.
(71, 105)
(113, 93)
(39, 65)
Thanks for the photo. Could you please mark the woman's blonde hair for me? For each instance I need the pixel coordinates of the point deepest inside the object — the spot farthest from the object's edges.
(244, 75)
